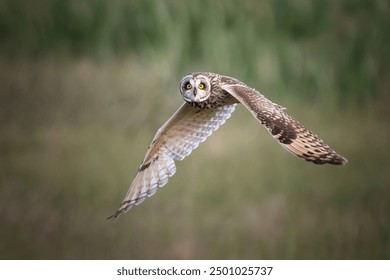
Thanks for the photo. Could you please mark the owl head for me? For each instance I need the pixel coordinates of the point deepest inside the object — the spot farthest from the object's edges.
(195, 88)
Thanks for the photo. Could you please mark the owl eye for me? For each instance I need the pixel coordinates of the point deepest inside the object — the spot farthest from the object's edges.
(188, 85)
(201, 86)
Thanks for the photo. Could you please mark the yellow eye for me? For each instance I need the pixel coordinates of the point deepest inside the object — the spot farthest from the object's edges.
(201, 86)
(188, 85)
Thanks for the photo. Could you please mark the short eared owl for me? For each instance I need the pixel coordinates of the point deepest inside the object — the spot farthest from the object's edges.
(210, 99)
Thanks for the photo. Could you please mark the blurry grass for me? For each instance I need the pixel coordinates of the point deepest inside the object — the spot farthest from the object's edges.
(345, 42)
(74, 132)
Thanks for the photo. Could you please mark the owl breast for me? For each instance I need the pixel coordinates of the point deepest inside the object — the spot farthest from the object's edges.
(218, 98)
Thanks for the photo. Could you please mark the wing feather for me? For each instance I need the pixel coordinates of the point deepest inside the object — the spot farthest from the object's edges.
(175, 140)
(290, 133)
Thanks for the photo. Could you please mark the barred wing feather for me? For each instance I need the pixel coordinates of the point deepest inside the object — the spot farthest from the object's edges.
(286, 130)
(175, 140)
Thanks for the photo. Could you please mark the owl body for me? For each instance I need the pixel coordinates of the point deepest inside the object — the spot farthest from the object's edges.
(210, 99)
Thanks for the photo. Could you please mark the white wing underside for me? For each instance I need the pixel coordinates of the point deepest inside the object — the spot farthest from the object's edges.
(175, 140)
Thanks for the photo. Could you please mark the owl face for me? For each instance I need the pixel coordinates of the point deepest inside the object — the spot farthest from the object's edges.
(195, 88)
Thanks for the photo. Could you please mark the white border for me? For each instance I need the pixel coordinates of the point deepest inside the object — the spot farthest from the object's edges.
(69, 269)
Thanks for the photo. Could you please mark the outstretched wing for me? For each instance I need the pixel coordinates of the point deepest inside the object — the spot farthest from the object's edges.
(289, 132)
(175, 140)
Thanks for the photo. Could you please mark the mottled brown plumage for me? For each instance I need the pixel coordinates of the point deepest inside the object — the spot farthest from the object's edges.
(210, 100)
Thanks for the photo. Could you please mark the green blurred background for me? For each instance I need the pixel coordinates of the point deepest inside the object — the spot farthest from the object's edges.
(84, 85)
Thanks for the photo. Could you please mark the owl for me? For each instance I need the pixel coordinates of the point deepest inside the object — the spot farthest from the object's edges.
(210, 99)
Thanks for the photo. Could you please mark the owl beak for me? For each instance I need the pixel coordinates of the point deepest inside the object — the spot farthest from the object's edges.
(192, 96)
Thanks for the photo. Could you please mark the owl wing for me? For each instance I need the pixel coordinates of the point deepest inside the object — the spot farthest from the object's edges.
(289, 132)
(175, 140)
